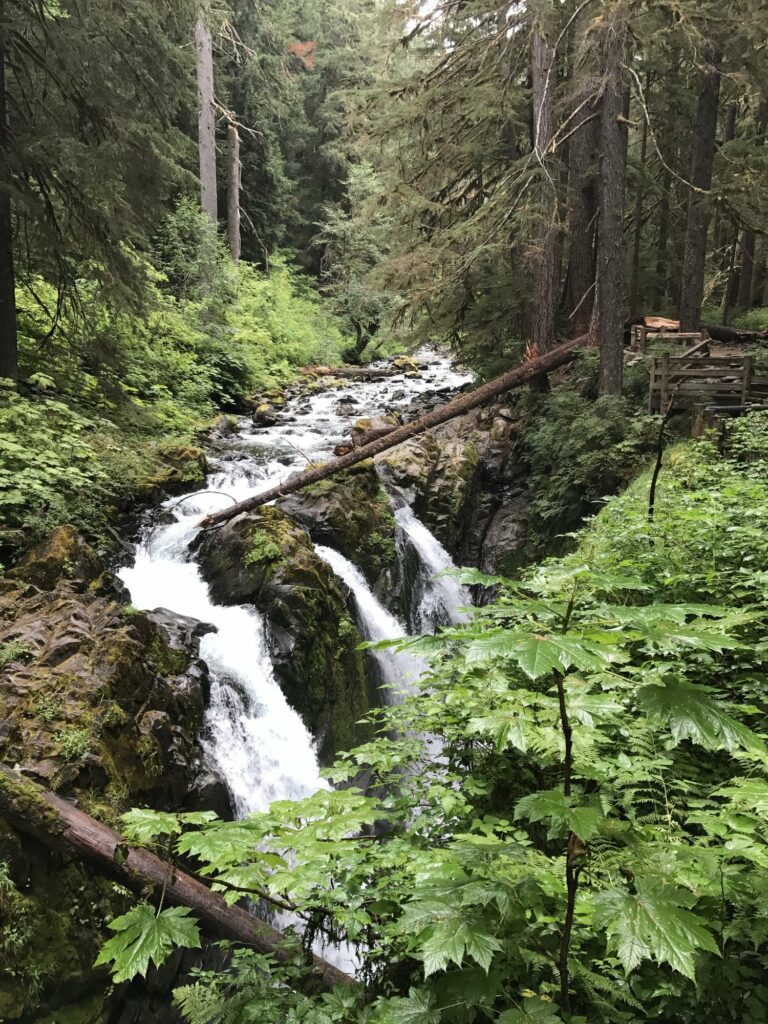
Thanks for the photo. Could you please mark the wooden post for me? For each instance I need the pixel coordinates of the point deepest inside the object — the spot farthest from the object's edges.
(746, 380)
(664, 396)
(651, 385)
(642, 337)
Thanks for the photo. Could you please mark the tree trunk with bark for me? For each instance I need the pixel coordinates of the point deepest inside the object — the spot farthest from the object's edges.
(233, 191)
(582, 196)
(634, 288)
(545, 277)
(746, 275)
(206, 115)
(8, 327)
(61, 827)
(522, 374)
(613, 173)
(692, 284)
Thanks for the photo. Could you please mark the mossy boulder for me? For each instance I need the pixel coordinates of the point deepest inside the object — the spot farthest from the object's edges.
(437, 473)
(64, 555)
(179, 468)
(268, 560)
(352, 513)
(102, 704)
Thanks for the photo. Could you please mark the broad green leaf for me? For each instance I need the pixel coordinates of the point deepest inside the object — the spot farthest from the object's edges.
(418, 1008)
(142, 935)
(144, 825)
(691, 714)
(654, 923)
(563, 813)
(533, 1009)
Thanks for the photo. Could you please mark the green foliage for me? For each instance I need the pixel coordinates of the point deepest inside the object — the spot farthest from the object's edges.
(144, 934)
(580, 449)
(16, 650)
(74, 742)
(90, 433)
(605, 717)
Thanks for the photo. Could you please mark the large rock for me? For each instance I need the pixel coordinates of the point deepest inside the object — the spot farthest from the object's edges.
(465, 481)
(102, 704)
(352, 513)
(267, 560)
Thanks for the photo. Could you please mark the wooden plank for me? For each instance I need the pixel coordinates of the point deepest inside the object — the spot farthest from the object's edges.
(663, 397)
(747, 378)
(701, 348)
(652, 388)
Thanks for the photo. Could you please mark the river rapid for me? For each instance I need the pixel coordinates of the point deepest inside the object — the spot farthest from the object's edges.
(251, 736)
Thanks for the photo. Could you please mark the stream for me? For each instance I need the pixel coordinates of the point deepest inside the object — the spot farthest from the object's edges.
(251, 736)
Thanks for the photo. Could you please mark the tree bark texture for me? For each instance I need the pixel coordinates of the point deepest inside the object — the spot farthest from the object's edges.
(234, 174)
(8, 328)
(206, 116)
(545, 270)
(582, 189)
(522, 374)
(634, 288)
(613, 173)
(746, 276)
(61, 827)
(697, 223)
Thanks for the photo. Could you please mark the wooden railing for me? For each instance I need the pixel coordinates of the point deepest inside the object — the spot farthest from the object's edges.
(722, 380)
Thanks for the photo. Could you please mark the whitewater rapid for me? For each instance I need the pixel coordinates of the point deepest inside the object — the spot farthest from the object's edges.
(251, 736)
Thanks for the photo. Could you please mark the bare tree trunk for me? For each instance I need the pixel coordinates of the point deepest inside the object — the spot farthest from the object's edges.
(62, 827)
(661, 277)
(744, 296)
(613, 173)
(233, 191)
(522, 374)
(582, 198)
(544, 299)
(8, 329)
(207, 115)
(634, 307)
(692, 284)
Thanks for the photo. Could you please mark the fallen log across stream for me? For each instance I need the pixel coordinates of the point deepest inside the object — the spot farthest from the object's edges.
(522, 374)
(61, 827)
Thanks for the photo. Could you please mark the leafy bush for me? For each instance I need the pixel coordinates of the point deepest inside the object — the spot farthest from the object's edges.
(110, 390)
(580, 450)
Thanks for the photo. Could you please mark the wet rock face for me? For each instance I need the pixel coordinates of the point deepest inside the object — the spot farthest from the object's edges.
(466, 484)
(351, 513)
(102, 704)
(267, 560)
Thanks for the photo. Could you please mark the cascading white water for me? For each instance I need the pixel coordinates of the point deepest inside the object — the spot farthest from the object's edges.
(249, 726)
(438, 599)
(251, 736)
(397, 671)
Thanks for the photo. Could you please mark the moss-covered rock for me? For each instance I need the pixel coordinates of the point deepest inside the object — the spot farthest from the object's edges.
(180, 468)
(102, 704)
(268, 560)
(466, 482)
(352, 513)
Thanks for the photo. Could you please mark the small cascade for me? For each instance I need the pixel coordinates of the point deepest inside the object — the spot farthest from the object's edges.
(249, 725)
(435, 599)
(395, 671)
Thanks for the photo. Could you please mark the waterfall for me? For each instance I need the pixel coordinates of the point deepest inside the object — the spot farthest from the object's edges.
(249, 726)
(435, 599)
(255, 740)
(396, 671)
